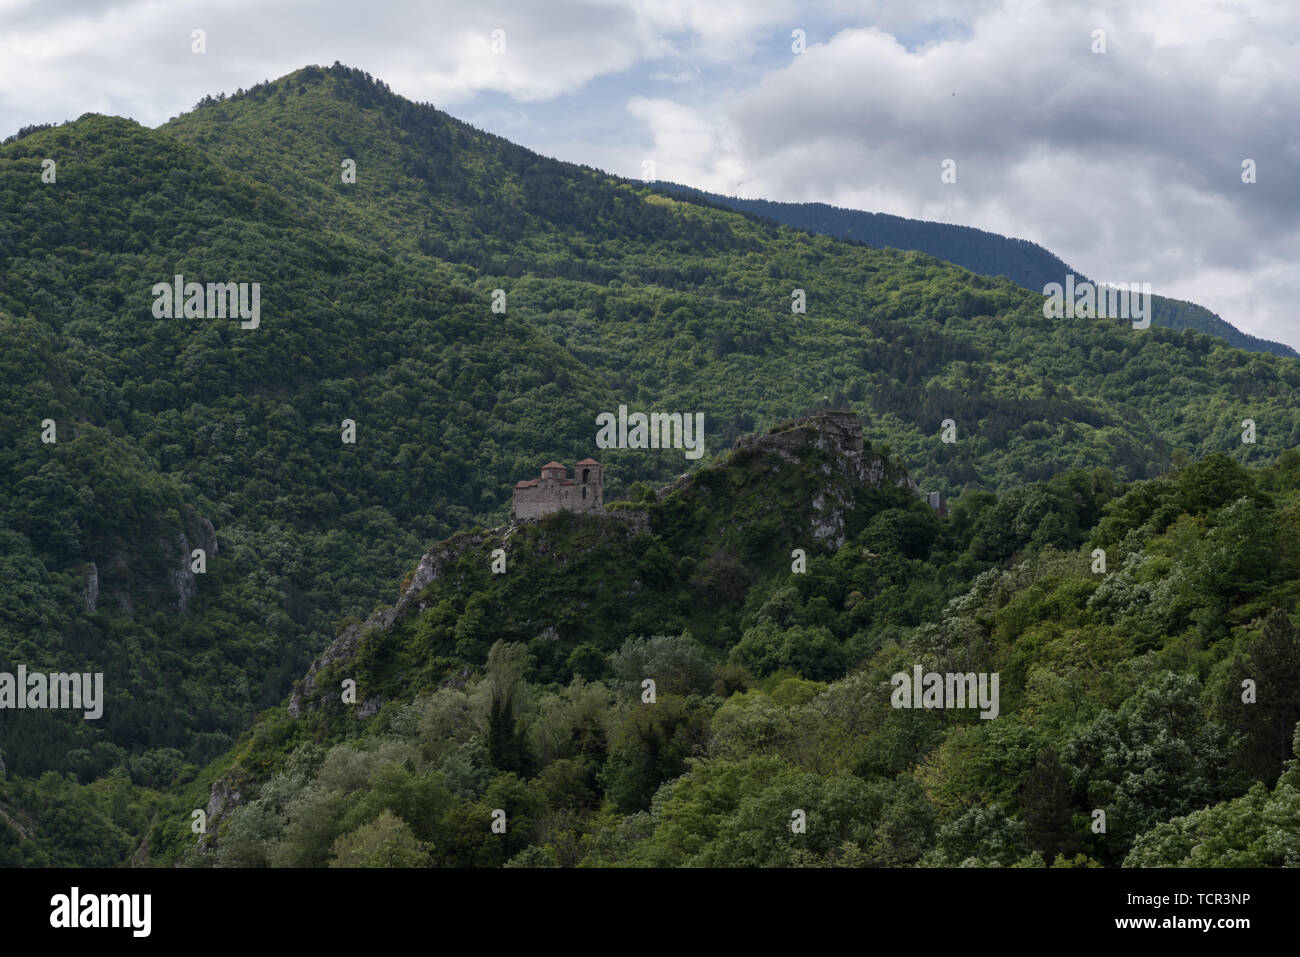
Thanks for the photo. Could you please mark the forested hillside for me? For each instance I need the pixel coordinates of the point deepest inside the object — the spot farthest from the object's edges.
(1024, 263)
(176, 434)
(524, 691)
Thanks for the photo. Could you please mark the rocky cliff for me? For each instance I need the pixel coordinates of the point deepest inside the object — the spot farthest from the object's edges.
(844, 464)
(809, 475)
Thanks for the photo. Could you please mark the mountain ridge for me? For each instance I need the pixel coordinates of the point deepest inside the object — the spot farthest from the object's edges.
(1025, 263)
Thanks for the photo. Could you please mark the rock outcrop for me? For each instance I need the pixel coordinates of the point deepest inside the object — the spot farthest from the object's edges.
(183, 580)
(429, 567)
(846, 463)
(90, 593)
(224, 795)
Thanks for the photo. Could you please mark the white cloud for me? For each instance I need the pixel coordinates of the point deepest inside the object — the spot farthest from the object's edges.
(81, 56)
(1125, 164)
(689, 148)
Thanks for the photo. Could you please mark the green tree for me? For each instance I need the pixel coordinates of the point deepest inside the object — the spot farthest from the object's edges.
(386, 841)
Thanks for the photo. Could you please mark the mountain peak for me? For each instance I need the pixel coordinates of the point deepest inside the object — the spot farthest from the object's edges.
(343, 82)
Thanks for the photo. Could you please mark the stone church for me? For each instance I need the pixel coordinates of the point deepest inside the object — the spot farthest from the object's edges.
(555, 490)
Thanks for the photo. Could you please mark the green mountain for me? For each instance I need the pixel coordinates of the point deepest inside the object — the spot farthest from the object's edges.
(377, 322)
(989, 254)
(662, 682)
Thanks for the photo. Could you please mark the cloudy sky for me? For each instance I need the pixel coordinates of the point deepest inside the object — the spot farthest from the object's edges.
(1127, 164)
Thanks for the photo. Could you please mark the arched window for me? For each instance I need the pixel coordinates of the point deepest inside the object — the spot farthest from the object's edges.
(585, 473)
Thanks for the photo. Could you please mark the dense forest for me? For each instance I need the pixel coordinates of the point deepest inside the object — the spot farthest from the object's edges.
(170, 435)
(1024, 263)
(523, 692)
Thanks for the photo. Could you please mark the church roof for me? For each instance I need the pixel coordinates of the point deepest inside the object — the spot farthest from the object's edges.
(588, 461)
(552, 465)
